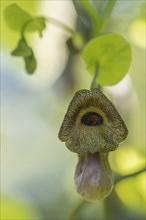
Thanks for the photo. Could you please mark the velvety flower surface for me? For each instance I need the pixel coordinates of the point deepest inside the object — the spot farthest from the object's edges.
(92, 124)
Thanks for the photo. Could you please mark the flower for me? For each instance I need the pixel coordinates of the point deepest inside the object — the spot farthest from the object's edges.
(92, 124)
(92, 127)
(93, 177)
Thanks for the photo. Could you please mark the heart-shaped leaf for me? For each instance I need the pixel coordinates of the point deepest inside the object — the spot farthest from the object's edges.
(37, 24)
(16, 17)
(112, 54)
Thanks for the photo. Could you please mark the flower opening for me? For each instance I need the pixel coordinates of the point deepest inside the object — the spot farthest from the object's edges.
(92, 123)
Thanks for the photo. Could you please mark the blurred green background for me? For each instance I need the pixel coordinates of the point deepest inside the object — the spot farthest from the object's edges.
(37, 170)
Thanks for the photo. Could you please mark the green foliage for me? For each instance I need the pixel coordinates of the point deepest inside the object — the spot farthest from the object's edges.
(30, 63)
(16, 17)
(19, 20)
(22, 22)
(84, 20)
(23, 50)
(92, 16)
(91, 12)
(112, 54)
(36, 24)
(9, 38)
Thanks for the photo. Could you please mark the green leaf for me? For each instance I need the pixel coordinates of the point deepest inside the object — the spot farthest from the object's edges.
(16, 17)
(37, 24)
(30, 63)
(22, 49)
(112, 54)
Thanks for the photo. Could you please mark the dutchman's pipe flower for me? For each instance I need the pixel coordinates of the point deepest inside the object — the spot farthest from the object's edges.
(92, 127)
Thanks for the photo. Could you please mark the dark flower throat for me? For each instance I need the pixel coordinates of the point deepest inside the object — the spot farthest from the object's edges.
(92, 119)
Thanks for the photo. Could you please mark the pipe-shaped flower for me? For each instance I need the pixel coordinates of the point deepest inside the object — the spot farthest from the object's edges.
(92, 124)
(93, 176)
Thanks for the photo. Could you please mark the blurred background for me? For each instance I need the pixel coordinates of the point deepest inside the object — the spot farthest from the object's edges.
(37, 170)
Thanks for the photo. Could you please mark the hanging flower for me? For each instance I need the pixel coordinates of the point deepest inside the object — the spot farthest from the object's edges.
(92, 123)
(92, 127)
(93, 176)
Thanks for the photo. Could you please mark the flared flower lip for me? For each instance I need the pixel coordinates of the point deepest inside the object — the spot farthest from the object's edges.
(92, 123)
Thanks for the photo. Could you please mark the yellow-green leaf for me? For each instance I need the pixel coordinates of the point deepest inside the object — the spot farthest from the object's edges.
(24, 51)
(16, 17)
(37, 24)
(112, 54)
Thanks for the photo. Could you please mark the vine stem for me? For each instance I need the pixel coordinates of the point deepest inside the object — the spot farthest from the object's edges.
(92, 12)
(107, 12)
(93, 83)
(75, 210)
(61, 25)
(119, 178)
(100, 22)
(24, 27)
(111, 203)
(52, 21)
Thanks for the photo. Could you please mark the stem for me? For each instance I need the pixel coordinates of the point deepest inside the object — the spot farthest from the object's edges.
(51, 20)
(107, 12)
(119, 178)
(100, 24)
(76, 209)
(113, 207)
(61, 25)
(96, 19)
(91, 11)
(93, 83)
(24, 27)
